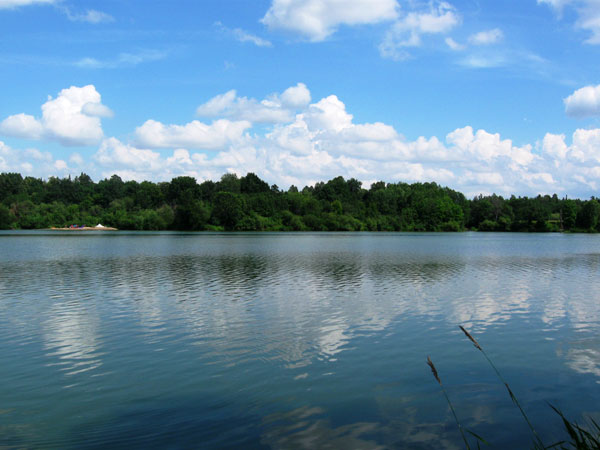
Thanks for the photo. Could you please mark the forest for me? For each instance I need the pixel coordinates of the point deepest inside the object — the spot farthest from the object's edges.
(249, 204)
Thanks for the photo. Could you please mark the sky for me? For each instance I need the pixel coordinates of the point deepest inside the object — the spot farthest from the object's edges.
(478, 95)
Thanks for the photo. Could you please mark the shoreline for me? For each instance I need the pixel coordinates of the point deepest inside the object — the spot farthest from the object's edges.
(83, 229)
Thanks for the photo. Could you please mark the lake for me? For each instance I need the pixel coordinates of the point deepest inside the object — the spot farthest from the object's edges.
(304, 340)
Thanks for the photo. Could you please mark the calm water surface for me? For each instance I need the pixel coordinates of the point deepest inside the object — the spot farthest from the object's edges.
(141, 340)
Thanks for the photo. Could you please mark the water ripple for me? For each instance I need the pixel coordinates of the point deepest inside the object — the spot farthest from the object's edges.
(280, 340)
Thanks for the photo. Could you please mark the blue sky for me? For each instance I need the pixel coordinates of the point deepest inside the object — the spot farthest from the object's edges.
(480, 96)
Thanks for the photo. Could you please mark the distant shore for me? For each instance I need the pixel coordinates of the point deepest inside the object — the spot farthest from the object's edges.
(250, 204)
(85, 229)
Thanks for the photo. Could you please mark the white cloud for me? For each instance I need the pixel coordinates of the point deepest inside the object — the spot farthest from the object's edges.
(588, 15)
(555, 146)
(318, 19)
(273, 109)
(96, 110)
(296, 96)
(90, 16)
(328, 114)
(589, 20)
(484, 146)
(195, 134)
(323, 140)
(486, 58)
(76, 159)
(484, 61)
(584, 102)
(586, 146)
(37, 155)
(407, 31)
(10, 4)
(122, 60)
(487, 37)
(22, 126)
(453, 45)
(116, 155)
(218, 104)
(327, 126)
(558, 4)
(72, 118)
(60, 165)
(244, 36)
(30, 162)
(485, 178)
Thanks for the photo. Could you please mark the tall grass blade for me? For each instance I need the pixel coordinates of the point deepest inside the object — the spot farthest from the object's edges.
(479, 438)
(436, 376)
(580, 437)
(538, 440)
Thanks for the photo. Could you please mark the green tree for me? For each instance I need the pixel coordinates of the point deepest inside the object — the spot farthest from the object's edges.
(587, 219)
(181, 187)
(251, 184)
(190, 214)
(7, 219)
(11, 184)
(229, 183)
(227, 210)
(569, 214)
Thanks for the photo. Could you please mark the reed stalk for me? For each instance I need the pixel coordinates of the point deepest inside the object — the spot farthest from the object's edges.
(538, 440)
(436, 376)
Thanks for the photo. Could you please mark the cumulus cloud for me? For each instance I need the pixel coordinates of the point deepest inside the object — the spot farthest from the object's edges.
(116, 155)
(22, 126)
(318, 19)
(484, 146)
(487, 37)
(327, 126)
(320, 141)
(295, 96)
(31, 162)
(586, 146)
(328, 114)
(72, 118)
(323, 140)
(578, 163)
(195, 134)
(275, 108)
(584, 102)
(407, 31)
(10, 4)
(96, 110)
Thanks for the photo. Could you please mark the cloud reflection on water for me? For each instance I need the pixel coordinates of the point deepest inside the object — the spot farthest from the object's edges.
(70, 334)
(265, 315)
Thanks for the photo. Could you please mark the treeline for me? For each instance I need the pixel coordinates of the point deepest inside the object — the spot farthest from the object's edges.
(250, 204)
